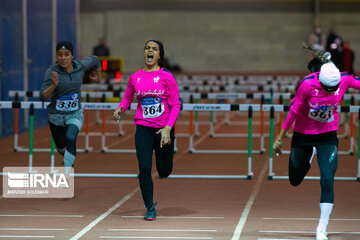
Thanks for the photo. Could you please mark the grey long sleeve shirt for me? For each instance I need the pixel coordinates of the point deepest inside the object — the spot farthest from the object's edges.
(66, 97)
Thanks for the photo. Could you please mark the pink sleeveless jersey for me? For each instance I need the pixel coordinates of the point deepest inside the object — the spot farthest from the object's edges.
(157, 94)
(314, 110)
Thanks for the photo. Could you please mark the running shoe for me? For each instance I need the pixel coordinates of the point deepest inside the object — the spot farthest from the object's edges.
(321, 235)
(150, 213)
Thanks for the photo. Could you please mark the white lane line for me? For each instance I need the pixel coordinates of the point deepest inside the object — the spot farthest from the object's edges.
(43, 215)
(245, 213)
(284, 238)
(300, 232)
(32, 229)
(146, 237)
(23, 236)
(311, 219)
(355, 233)
(160, 230)
(104, 215)
(308, 232)
(177, 217)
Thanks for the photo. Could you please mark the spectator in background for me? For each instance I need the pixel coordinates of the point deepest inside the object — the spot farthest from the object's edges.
(101, 49)
(334, 45)
(317, 39)
(331, 39)
(349, 57)
(337, 53)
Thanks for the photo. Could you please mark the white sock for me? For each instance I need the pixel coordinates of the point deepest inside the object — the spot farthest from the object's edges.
(313, 154)
(325, 211)
(68, 161)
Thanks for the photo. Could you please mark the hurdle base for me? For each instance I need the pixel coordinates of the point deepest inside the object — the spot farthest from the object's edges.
(203, 151)
(317, 178)
(21, 149)
(208, 176)
(235, 135)
(106, 150)
(87, 150)
(174, 176)
(346, 153)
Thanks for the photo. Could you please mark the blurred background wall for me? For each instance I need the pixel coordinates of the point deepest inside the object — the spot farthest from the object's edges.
(217, 35)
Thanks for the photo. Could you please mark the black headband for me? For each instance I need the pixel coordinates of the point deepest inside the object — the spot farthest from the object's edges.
(65, 45)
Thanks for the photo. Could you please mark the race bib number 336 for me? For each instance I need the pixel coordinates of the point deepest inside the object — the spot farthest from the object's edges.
(68, 102)
(152, 107)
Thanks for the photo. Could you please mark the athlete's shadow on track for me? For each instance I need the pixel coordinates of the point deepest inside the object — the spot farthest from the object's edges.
(165, 211)
(174, 211)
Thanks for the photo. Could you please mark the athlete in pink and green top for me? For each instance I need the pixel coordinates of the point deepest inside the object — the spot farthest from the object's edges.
(314, 111)
(158, 107)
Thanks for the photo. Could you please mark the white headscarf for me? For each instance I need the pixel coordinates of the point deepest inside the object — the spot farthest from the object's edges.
(329, 75)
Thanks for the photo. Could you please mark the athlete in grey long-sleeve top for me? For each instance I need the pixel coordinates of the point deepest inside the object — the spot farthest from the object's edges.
(62, 83)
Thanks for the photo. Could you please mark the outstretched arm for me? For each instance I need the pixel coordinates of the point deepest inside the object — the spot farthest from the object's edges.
(278, 142)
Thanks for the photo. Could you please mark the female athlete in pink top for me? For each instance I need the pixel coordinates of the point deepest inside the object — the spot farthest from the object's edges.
(314, 111)
(157, 94)
(158, 106)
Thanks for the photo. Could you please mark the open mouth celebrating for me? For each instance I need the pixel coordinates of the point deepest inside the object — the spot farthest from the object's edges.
(150, 57)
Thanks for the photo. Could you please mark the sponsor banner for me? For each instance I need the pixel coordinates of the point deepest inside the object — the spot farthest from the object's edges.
(40, 182)
(206, 107)
(6, 105)
(105, 106)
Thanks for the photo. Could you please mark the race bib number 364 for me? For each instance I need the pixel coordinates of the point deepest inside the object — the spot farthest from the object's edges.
(152, 107)
(68, 102)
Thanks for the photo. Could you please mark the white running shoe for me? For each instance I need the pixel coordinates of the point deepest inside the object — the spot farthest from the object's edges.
(321, 235)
